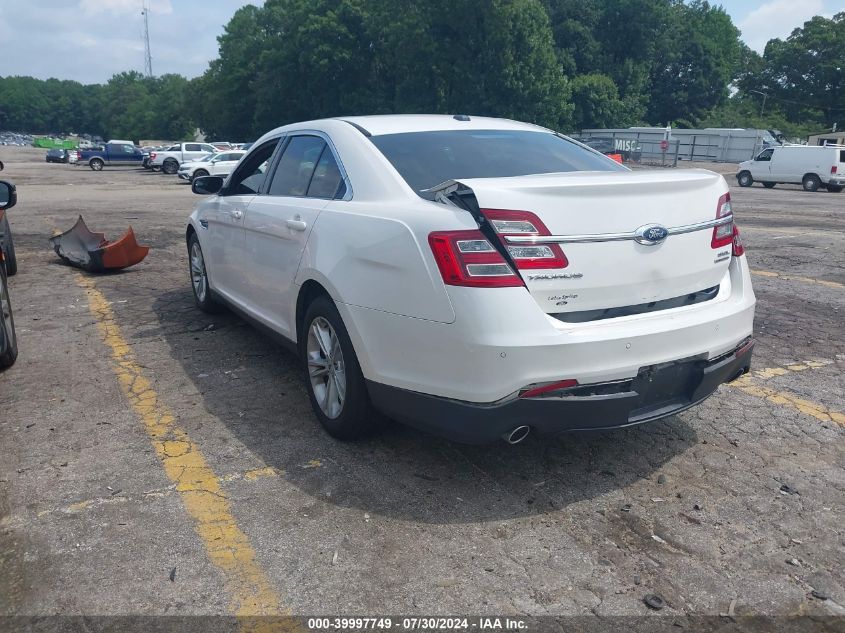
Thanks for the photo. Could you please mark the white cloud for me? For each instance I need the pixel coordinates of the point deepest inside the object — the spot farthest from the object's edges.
(777, 19)
(91, 40)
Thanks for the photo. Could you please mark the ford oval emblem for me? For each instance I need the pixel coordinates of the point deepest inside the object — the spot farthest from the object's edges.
(651, 234)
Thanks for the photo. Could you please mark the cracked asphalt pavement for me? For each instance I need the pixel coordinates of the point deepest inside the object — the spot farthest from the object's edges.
(735, 504)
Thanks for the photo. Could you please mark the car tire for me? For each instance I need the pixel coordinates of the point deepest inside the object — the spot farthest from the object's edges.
(834, 188)
(333, 377)
(769, 185)
(203, 296)
(96, 164)
(170, 166)
(199, 173)
(744, 179)
(8, 246)
(8, 338)
(811, 182)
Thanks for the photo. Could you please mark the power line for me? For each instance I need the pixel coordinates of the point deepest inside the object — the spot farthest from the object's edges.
(815, 106)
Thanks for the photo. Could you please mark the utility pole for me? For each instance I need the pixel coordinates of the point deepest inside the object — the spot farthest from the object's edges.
(148, 57)
(765, 95)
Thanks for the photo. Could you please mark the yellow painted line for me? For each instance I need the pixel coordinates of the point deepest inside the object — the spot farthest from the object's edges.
(747, 385)
(813, 409)
(79, 506)
(772, 372)
(199, 488)
(808, 280)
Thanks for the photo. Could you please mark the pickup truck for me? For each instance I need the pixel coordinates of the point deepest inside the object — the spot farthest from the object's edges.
(175, 155)
(114, 153)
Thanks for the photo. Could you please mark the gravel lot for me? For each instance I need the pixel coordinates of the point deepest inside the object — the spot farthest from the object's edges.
(734, 506)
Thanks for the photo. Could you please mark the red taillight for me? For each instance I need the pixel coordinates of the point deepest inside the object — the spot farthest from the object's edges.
(524, 223)
(466, 258)
(738, 246)
(744, 347)
(833, 169)
(554, 386)
(724, 234)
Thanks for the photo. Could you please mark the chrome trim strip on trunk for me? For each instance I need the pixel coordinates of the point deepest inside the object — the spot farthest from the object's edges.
(612, 237)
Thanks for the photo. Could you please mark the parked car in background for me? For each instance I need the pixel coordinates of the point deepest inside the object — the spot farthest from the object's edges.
(8, 338)
(168, 161)
(148, 152)
(811, 166)
(476, 277)
(57, 155)
(114, 153)
(8, 198)
(222, 145)
(220, 164)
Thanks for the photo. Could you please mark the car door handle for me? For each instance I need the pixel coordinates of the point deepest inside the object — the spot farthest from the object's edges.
(237, 214)
(296, 225)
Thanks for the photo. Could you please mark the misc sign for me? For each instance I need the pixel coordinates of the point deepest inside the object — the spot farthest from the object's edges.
(625, 145)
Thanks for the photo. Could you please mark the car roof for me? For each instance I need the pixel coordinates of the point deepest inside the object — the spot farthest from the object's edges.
(397, 123)
(377, 125)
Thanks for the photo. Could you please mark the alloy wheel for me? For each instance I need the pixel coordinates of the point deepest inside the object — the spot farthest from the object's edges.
(326, 367)
(6, 315)
(198, 275)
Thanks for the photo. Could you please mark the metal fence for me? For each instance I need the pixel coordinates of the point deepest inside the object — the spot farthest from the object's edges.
(659, 153)
(730, 146)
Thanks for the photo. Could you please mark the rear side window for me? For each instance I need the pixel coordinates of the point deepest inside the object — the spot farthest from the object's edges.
(426, 159)
(326, 181)
(842, 155)
(296, 167)
(192, 147)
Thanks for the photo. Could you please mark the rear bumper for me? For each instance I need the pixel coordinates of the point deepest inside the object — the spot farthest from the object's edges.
(656, 392)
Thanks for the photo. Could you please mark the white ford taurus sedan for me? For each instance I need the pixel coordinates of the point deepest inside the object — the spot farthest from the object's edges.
(474, 277)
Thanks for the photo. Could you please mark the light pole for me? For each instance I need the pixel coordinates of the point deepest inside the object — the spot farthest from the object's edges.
(762, 107)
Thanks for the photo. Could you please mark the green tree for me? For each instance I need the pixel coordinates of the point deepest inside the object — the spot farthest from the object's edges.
(596, 102)
(700, 56)
(805, 74)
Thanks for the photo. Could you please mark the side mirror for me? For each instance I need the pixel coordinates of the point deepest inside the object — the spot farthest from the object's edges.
(8, 195)
(1, 165)
(207, 185)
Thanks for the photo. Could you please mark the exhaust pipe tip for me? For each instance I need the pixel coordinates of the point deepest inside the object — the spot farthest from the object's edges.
(516, 435)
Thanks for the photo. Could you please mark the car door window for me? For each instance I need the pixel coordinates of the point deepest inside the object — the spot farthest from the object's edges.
(765, 155)
(326, 181)
(296, 167)
(251, 173)
(192, 147)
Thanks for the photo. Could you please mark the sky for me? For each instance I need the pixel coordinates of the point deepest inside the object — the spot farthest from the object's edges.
(91, 40)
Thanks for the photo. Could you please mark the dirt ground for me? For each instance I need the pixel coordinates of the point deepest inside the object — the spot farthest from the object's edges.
(735, 506)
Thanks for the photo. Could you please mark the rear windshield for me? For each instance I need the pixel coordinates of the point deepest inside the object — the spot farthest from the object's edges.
(426, 159)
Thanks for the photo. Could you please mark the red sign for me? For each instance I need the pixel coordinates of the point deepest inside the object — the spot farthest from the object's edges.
(664, 145)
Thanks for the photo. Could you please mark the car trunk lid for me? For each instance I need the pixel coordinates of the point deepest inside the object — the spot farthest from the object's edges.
(594, 241)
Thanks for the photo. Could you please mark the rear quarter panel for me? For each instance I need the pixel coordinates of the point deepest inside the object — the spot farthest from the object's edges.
(375, 261)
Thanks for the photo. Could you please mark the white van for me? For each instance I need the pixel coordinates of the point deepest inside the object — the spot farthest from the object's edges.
(811, 166)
